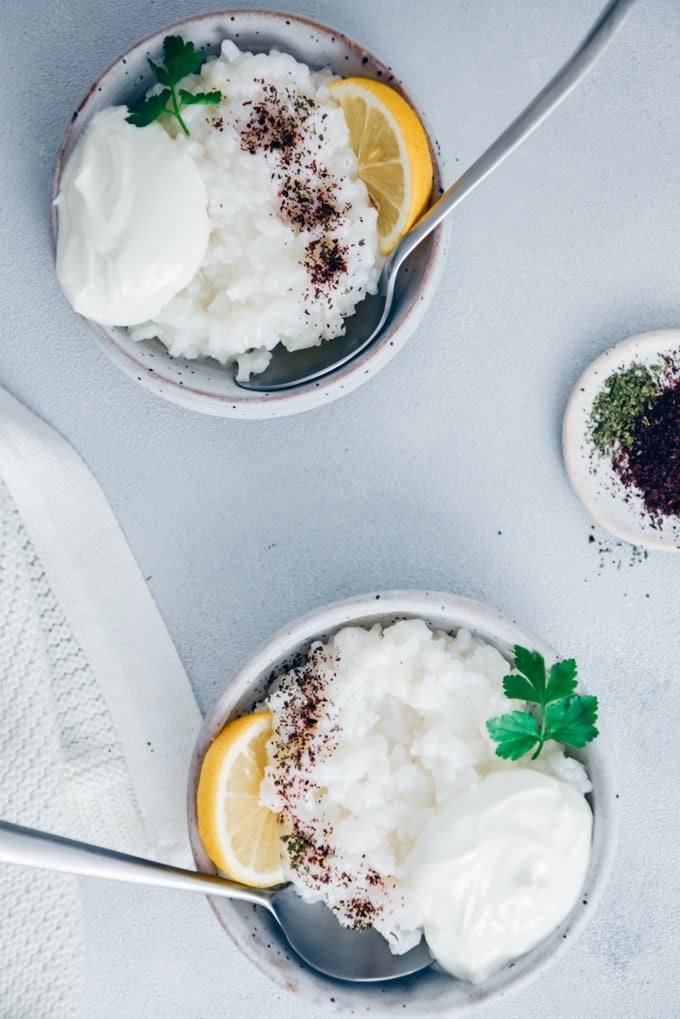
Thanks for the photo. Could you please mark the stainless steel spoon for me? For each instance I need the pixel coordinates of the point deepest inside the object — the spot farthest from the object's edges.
(288, 369)
(311, 930)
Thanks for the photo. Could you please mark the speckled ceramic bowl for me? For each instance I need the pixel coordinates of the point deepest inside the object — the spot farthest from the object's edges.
(204, 384)
(430, 992)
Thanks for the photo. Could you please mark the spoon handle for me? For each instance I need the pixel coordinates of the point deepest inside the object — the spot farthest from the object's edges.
(32, 848)
(557, 89)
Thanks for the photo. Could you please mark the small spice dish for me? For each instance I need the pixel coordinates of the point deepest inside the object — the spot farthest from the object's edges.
(616, 505)
(203, 384)
(430, 992)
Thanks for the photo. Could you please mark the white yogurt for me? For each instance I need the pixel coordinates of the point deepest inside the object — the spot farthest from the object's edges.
(133, 220)
(500, 869)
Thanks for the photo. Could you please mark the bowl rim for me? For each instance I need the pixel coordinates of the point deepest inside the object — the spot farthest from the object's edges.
(239, 403)
(490, 624)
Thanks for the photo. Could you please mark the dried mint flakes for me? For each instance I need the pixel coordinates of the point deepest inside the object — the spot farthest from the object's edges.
(627, 395)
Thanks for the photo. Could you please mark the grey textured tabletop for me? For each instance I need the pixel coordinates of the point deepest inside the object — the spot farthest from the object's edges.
(444, 471)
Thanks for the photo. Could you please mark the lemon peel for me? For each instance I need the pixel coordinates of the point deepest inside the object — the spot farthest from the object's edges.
(239, 835)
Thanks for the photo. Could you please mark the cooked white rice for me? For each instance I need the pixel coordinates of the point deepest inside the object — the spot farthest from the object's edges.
(373, 736)
(293, 244)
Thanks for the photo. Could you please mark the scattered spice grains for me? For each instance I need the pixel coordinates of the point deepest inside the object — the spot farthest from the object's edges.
(635, 421)
(616, 553)
(275, 122)
(326, 259)
(305, 734)
(282, 125)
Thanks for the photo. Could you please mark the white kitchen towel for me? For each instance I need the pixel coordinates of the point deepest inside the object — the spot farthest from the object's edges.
(97, 718)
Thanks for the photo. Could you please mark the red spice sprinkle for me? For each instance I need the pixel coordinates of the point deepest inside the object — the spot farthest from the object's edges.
(276, 122)
(306, 205)
(652, 465)
(362, 912)
(280, 125)
(304, 733)
(646, 456)
(325, 262)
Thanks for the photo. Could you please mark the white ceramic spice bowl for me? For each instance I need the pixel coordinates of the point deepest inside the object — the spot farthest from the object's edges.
(620, 510)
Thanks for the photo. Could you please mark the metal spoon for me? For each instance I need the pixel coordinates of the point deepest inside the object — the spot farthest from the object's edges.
(311, 930)
(288, 369)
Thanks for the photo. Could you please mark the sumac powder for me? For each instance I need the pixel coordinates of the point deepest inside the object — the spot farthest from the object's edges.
(636, 421)
(653, 462)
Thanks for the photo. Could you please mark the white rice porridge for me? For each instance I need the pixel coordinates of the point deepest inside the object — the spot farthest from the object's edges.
(293, 243)
(374, 736)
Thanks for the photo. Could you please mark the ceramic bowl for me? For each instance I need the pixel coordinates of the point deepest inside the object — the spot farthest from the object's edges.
(430, 992)
(204, 384)
(618, 509)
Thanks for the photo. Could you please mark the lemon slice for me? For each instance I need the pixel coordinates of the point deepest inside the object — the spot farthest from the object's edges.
(392, 150)
(239, 835)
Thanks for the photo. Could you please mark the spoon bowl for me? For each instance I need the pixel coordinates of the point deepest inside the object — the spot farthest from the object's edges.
(286, 370)
(361, 956)
(311, 930)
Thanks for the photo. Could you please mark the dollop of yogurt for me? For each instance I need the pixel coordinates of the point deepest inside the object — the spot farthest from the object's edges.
(133, 220)
(500, 869)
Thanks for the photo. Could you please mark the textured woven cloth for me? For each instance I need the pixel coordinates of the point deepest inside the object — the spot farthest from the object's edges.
(97, 719)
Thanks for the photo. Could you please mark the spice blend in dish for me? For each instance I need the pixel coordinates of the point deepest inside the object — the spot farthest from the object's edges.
(635, 421)
(293, 242)
(395, 809)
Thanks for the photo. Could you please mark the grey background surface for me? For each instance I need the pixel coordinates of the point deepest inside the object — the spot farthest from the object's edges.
(444, 472)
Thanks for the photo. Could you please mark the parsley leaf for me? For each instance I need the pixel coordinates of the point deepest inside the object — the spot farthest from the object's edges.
(181, 59)
(532, 665)
(149, 109)
(204, 98)
(562, 680)
(559, 714)
(572, 720)
(516, 734)
(520, 688)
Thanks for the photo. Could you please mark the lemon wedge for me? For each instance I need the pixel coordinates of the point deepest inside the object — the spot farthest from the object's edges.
(392, 150)
(239, 835)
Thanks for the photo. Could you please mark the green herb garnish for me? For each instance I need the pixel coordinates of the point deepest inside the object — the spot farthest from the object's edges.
(181, 59)
(626, 397)
(562, 715)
